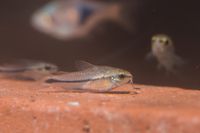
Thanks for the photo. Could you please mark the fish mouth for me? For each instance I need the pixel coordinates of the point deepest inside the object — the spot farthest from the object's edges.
(130, 81)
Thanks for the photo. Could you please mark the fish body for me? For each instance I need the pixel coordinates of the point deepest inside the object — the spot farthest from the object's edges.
(162, 48)
(61, 19)
(64, 19)
(27, 69)
(28, 65)
(94, 77)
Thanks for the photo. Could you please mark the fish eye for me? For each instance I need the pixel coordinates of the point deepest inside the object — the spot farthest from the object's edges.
(167, 42)
(47, 68)
(121, 76)
(161, 41)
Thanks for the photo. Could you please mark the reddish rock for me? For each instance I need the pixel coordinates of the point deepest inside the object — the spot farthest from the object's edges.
(37, 107)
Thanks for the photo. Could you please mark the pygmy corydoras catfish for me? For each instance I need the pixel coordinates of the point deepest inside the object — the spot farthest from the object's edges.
(93, 77)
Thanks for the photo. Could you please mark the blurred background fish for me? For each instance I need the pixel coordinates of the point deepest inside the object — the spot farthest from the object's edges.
(162, 48)
(64, 19)
(26, 69)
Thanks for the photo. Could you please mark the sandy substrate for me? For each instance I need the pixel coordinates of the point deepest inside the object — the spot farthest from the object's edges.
(38, 107)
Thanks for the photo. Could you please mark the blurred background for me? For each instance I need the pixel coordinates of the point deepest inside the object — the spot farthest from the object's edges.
(110, 44)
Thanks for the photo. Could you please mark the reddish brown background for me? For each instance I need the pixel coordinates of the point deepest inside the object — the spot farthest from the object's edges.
(180, 19)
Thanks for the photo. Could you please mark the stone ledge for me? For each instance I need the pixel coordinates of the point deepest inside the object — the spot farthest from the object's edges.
(36, 107)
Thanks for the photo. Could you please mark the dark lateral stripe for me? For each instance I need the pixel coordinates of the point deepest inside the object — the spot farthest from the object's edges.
(65, 81)
(11, 71)
(71, 81)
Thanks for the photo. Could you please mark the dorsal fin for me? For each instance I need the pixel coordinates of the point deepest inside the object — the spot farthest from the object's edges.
(82, 65)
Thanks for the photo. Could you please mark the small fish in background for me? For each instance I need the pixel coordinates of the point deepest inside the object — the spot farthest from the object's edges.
(162, 48)
(93, 78)
(64, 19)
(27, 69)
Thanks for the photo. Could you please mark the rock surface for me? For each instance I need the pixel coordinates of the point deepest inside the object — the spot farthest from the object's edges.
(37, 107)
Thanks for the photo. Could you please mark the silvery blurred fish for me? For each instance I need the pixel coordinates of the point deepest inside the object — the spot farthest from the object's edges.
(162, 48)
(64, 19)
(93, 77)
(27, 69)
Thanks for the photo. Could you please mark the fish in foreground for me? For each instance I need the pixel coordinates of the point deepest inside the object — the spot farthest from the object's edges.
(162, 48)
(27, 69)
(93, 77)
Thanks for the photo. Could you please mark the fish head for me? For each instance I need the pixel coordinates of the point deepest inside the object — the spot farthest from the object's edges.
(161, 43)
(118, 76)
(56, 19)
(44, 67)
